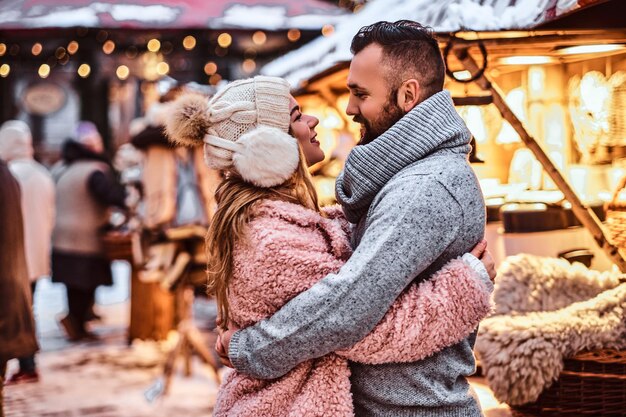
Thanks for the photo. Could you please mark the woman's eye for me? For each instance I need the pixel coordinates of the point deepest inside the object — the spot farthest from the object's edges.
(298, 117)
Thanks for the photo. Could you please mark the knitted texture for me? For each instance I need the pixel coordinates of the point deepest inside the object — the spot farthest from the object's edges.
(532, 283)
(288, 249)
(242, 106)
(522, 355)
(431, 125)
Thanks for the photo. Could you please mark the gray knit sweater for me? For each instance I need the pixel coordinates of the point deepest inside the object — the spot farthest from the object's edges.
(416, 205)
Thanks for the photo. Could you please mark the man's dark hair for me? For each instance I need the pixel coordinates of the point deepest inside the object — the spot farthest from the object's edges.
(406, 45)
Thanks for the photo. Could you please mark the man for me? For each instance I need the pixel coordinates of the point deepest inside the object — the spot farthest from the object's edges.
(415, 203)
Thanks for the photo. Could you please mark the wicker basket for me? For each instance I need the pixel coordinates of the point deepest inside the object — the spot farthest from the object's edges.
(616, 217)
(591, 384)
(118, 245)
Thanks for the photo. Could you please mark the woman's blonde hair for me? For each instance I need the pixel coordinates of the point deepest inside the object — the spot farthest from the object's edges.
(235, 200)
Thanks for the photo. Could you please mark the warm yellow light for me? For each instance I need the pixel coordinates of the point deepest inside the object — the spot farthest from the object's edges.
(44, 70)
(526, 60)
(462, 75)
(72, 47)
(591, 49)
(162, 68)
(84, 70)
(293, 35)
(154, 45)
(122, 72)
(248, 65)
(259, 37)
(224, 40)
(189, 42)
(5, 69)
(3, 49)
(36, 49)
(108, 47)
(328, 30)
(210, 68)
(214, 79)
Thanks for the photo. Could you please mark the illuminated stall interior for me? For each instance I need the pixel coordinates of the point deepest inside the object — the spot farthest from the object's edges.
(567, 86)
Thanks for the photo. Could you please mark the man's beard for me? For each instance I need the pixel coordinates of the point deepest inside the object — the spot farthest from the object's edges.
(370, 130)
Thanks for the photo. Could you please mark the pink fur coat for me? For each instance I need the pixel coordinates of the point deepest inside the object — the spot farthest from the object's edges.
(288, 249)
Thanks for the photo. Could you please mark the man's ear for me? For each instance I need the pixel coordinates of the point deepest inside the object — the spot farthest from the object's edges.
(409, 94)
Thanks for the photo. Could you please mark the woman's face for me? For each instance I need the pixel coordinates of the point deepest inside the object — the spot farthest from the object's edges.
(302, 127)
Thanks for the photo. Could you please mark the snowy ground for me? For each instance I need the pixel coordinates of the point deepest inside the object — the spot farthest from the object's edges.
(108, 378)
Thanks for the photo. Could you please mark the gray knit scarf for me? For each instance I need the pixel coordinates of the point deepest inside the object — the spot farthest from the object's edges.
(430, 126)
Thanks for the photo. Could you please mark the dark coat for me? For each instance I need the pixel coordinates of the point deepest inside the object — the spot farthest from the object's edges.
(17, 326)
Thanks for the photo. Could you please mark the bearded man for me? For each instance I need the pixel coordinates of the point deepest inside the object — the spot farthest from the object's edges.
(415, 204)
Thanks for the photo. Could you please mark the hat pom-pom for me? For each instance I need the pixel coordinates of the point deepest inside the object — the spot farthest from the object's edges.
(188, 121)
(268, 156)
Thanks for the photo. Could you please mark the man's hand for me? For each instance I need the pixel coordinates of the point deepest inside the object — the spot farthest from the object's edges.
(223, 342)
(480, 251)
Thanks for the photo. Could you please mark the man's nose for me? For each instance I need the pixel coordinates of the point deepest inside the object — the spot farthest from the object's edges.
(351, 109)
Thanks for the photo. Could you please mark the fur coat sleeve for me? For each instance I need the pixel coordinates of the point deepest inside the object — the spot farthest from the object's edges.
(289, 248)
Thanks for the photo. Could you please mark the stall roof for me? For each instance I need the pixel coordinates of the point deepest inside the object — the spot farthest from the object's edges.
(443, 16)
(168, 14)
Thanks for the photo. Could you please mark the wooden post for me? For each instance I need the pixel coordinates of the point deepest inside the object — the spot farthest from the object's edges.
(584, 214)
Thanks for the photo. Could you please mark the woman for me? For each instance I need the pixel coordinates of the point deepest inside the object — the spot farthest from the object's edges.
(269, 241)
(86, 189)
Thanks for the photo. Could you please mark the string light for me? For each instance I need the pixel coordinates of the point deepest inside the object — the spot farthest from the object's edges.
(59, 53)
(154, 45)
(224, 40)
(293, 35)
(328, 30)
(122, 72)
(259, 37)
(162, 68)
(36, 49)
(214, 79)
(248, 65)
(84, 70)
(44, 70)
(108, 47)
(189, 42)
(72, 47)
(5, 69)
(3, 49)
(210, 68)
(102, 36)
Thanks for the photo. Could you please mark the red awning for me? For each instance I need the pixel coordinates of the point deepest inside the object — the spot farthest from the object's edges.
(170, 14)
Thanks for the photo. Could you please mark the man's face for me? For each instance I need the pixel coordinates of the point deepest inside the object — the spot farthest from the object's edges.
(372, 101)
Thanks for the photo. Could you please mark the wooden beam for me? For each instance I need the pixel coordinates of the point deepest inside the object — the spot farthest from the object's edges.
(584, 214)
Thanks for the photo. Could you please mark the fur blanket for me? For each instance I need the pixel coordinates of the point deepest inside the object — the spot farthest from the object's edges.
(522, 353)
(531, 283)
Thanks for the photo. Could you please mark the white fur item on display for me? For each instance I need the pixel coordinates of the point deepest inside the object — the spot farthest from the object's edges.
(532, 283)
(522, 355)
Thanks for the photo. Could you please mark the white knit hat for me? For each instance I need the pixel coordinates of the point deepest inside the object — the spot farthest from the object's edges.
(244, 127)
(16, 140)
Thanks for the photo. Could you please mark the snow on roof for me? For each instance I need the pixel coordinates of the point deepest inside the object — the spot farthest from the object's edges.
(443, 16)
(169, 14)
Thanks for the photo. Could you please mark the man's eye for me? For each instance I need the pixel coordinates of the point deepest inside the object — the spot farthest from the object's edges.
(298, 117)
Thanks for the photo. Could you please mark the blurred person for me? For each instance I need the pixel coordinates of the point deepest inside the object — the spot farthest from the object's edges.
(86, 188)
(17, 326)
(37, 201)
(269, 241)
(178, 187)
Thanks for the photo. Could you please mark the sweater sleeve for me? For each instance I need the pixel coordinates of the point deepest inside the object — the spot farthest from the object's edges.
(427, 317)
(408, 230)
